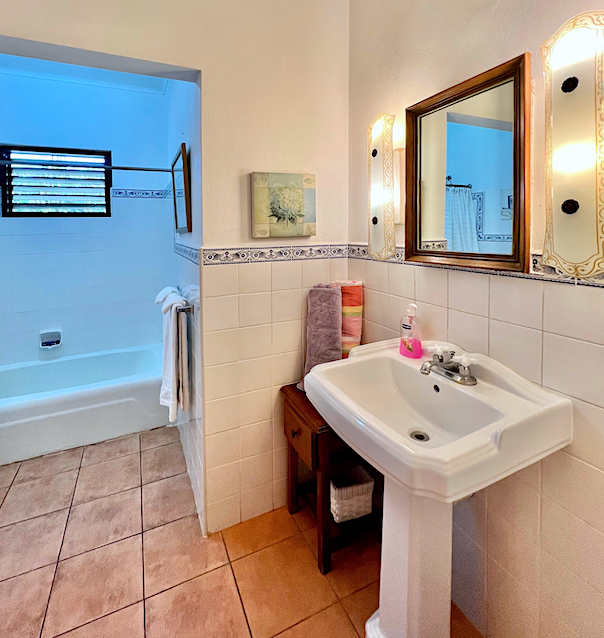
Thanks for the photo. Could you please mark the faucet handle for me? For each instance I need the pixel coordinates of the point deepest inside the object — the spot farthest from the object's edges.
(464, 366)
(436, 352)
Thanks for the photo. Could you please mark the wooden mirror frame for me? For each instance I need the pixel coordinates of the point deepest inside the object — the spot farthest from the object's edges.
(181, 155)
(517, 70)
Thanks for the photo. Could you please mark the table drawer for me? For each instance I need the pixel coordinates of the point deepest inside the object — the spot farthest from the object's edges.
(299, 435)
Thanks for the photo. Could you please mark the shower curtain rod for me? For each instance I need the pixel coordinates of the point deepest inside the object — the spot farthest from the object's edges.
(449, 179)
(81, 165)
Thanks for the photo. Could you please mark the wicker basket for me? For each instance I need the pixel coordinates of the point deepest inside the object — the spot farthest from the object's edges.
(351, 494)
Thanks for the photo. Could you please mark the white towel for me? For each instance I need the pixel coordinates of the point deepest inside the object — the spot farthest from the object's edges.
(183, 361)
(161, 296)
(169, 392)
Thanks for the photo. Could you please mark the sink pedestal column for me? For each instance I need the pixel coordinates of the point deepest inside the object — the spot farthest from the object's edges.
(415, 581)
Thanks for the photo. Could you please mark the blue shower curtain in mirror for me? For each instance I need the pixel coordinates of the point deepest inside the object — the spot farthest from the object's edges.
(460, 220)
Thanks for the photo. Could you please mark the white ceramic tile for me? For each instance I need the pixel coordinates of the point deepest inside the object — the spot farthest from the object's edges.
(221, 347)
(573, 367)
(377, 276)
(401, 280)
(286, 275)
(277, 401)
(254, 309)
(255, 406)
(471, 600)
(287, 336)
(357, 269)
(574, 543)
(256, 438)
(255, 341)
(338, 269)
(280, 489)
(315, 271)
(576, 602)
(588, 433)
(256, 471)
(376, 307)
(254, 277)
(434, 322)
(517, 347)
(471, 332)
(576, 486)
(518, 504)
(280, 463)
(222, 381)
(469, 292)
(397, 309)
(223, 482)
(222, 448)
(373, 332)
(469, 557)
(512, 609)
(255, 374)
(219, 281)
(287, 368)
(256, 501)
(470, 515)
(531, 475)
(550, 626)
(287, 305)
(516, 300)
(431, 285)
(574, 311)
(220, 313)
(224, 514)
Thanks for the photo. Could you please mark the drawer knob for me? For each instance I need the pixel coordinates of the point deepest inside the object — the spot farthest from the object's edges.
(294, 433)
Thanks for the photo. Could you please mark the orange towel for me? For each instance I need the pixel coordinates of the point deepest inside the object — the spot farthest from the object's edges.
(352, 314)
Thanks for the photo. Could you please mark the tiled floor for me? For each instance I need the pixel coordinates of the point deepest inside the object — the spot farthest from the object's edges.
(103, 542)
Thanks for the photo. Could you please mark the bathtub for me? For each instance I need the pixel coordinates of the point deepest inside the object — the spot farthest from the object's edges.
(46, 406)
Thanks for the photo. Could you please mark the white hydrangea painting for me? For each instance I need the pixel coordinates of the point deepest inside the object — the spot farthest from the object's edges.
(283, 205)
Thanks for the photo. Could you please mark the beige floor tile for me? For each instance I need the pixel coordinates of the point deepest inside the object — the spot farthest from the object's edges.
(177, 552)
(361, 605)
(332, 622)
(110, 477)
(49, 465)
(304, 519)
(158, 437)
(7, 473)
(102, 521)
(34, 498)
(23, 603)
(167, 500)
(3, 493)
(310, 536)
(31, 544)
(113, 449)
(356, 565)
(280, 586)
(259, 532)
(205, 607)
(94, 584)
(126, 623)
(161, 462)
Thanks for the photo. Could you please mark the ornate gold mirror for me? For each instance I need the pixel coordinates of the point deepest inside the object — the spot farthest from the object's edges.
(467, 169)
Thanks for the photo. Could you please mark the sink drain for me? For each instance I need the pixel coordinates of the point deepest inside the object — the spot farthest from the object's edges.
(418, 435)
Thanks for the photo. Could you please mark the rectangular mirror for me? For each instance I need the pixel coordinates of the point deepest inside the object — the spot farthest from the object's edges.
(467, 166)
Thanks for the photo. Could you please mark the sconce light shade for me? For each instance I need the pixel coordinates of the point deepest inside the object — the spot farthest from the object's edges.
(574, 138)
(381, 188)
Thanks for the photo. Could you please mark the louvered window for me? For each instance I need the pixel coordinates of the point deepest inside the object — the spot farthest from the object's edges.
(47, 182)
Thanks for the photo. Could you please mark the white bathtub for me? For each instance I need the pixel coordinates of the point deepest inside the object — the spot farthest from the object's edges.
(55, 405)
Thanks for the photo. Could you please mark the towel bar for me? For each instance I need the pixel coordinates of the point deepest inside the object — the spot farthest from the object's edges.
(188, 309)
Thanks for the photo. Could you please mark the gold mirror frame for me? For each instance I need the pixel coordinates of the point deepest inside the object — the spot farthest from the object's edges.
(594, 265)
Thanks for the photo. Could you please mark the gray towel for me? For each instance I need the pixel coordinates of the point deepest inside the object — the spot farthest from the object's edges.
(323, 327)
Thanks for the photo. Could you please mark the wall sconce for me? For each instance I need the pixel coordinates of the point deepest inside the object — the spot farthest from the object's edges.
(381, 243)
(574, 137)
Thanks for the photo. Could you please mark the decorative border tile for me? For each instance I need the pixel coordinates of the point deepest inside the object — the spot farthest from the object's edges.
(188, 252)
(479, 198)
(359, 251)
(434, 245)
(137, 194)
(218, 256)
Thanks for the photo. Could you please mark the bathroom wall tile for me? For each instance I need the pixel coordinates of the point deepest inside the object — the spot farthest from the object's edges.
(517, 347)
(280, 491)
(256, 471)
(220, 313)
(469, 598)
(255, 341)
(287, 336)
(469, 292)
(221, 414)
(376, 307)
(256, 501)
(588, 434)
(512, 609)
(280, 463)
(401, 280)
(576, 602)
(574, 311)
(518, 301)
(277, 402)
(373, 332)
(531, 475)
(219, 281)
(338, 269)
(431, 285)
(254, 309)
(575, 544)
(223, 514)
(315, 271)
(279, 440)
(550, 626)
(287, 305)
(223, 482)
(286, 275)
(576, 486)
(254, 277)
(255, 406)
(221, 347)
(256, 438)
(470, 515)
(222, 448)
(255, 374)
(287, 368)
(222, 381)
(357, 269)
(397, 309)
(434, 322)
(469, 331)
(377, 276)
(573, 367)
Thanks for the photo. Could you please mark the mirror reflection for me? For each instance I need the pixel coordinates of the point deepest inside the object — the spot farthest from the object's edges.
(466, 176)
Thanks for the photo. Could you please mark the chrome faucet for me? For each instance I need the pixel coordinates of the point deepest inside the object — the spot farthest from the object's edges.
(442, 364)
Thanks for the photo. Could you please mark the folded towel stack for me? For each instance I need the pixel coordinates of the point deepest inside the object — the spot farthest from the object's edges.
(352, 315)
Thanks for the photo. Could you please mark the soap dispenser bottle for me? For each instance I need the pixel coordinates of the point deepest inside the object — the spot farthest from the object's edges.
(411, 334)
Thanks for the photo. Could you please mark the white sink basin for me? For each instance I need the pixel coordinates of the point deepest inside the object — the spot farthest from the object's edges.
(477, 434)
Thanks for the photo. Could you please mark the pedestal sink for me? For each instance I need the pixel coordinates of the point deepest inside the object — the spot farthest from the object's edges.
(436, 442)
